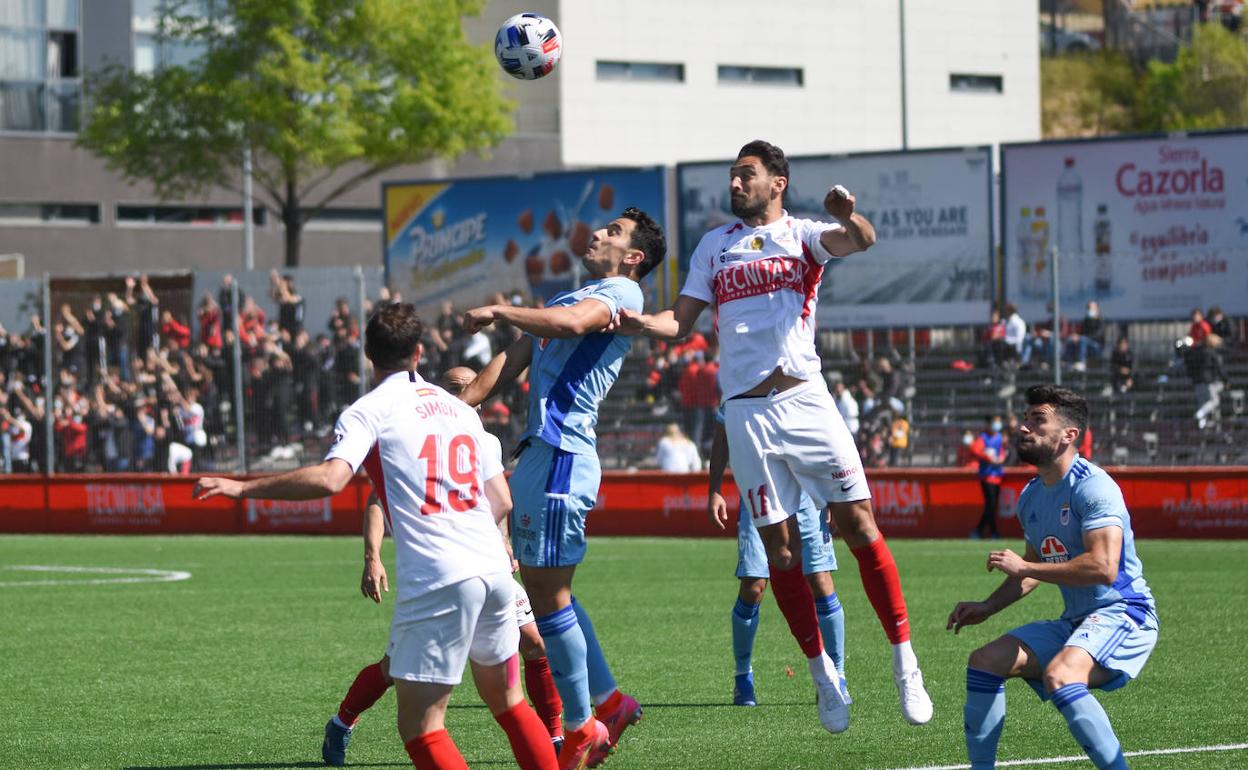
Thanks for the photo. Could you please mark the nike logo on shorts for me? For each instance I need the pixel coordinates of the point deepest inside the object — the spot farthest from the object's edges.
(847, 487)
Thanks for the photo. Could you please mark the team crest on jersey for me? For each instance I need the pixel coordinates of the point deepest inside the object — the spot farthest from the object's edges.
(1053, 550)
(542, 342)
(756, 243)
(1063, 516)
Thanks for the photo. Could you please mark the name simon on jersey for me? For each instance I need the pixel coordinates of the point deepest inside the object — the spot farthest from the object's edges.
(435, 409)
(760, 276)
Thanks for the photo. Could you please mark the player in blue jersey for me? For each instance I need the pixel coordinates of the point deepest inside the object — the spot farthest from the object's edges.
(823, 640)
(1079, 537)
(572, 363)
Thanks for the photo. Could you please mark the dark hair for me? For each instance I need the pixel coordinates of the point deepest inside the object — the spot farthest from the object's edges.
(1215, 310)
(772, 157)
(1069, 405)
(647, 236)
(1010, 309)
(392, 336)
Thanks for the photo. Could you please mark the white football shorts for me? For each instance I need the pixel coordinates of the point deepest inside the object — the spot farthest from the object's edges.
(434, 634)
(524, 612)
(784, 443)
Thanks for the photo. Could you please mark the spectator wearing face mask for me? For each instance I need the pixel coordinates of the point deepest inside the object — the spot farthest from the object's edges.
(989, 449)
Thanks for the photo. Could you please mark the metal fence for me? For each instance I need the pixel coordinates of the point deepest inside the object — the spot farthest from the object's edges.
(179, 372)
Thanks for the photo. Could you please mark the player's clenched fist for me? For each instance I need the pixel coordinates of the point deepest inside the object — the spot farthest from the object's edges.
(478, 318)
(839, 202)
(211, 487)
(968, 614)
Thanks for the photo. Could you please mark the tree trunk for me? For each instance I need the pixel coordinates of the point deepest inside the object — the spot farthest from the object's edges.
(292, 220)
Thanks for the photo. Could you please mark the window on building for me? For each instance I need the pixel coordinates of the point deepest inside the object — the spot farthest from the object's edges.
(40, 77)
(760, 76)
(361, 219)
(633, 70)
(984, 84)
(189, 216)
(156, 43)
(26, 213)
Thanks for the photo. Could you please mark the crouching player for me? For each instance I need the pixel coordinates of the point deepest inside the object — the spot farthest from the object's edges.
(1079, 537)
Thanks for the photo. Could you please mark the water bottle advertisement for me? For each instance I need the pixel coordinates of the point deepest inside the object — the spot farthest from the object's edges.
(465, 240)
(932, 212)
(1147, 228)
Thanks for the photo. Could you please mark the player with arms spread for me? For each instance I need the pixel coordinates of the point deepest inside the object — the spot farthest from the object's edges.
(425, 453)
(785, 433)
(1079, 538)
(573, 360)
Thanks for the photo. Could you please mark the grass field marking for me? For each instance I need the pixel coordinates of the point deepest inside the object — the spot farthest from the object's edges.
(1084, 758)
(131, 575)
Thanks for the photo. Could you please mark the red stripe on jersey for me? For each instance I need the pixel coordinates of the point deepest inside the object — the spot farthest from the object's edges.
(372, 466)
(814, 274)
(760, 276)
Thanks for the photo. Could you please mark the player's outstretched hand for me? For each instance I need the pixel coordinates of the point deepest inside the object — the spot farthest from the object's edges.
(374, 580)
(1007, 561)
(627, 322)
(839, 202)
(967, 614)
(717, 509)
(211, 487)
(478, 318)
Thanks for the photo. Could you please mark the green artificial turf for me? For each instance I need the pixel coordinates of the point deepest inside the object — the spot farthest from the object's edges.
(240, 665)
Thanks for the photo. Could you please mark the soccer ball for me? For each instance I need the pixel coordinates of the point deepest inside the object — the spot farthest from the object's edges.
(528, 46)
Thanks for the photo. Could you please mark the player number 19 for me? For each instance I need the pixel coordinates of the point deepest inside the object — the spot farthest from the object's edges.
(462, 488)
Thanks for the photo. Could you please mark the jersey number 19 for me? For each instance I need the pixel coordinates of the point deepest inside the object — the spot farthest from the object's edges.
(461, 489)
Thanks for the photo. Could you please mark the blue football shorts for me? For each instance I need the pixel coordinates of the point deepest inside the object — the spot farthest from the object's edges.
(818, 555)
(552, 492)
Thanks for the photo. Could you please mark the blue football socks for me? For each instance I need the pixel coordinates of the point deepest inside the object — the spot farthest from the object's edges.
(983, 717)
(744, 628)
(832, 627)
(565, 648)
(1090, 726)
(601, 683)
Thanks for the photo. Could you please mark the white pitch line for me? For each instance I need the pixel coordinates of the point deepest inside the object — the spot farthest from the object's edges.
(135, 575)
(1084, 758)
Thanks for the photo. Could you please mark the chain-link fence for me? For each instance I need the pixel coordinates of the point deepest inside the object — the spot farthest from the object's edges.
(179, 373)
(210, 371)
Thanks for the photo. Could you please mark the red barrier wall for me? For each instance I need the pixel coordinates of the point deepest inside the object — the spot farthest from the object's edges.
(1164, 502)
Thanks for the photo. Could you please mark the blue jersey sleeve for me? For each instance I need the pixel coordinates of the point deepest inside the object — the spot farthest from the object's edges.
(1098, 503)
(618, 294)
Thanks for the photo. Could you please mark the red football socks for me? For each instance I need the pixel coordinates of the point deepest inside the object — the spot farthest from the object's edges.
(883, 586)
(369, 685)
(546, 700)
(529, 740)
(435, 751)
(797, 604)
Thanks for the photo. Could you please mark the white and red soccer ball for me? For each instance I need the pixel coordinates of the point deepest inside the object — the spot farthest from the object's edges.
(528, 46)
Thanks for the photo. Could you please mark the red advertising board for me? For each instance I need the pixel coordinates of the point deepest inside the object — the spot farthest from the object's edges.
(1164, 502)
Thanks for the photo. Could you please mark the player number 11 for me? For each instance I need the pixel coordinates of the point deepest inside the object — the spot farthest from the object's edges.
(463, 487)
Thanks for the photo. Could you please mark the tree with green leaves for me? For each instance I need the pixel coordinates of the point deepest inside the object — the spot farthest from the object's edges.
(326, 93)
(1206, 87)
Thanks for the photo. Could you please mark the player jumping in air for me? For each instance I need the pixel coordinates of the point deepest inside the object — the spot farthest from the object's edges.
(1079, 538)
(785, 433)
(426, 454)
(572, 361)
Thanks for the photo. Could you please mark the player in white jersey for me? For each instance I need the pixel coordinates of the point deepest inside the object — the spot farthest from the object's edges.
(373, 680)
(785, 433)
(426, 454)
(1079, 538)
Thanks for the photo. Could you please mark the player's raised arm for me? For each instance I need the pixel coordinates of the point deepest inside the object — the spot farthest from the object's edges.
(374, 580)
(588, 315)
(308, 483)
(670, 325)
(501, 371)
(1011, 590)
(857, 234)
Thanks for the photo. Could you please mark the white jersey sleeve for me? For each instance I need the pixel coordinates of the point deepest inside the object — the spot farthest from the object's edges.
(355, 434)
(811, 233)
(491, 456)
